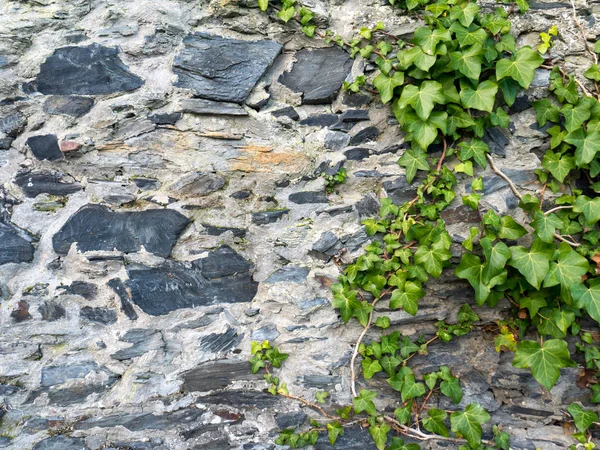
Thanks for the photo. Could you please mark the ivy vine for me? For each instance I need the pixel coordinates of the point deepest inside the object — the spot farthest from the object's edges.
(455, 78)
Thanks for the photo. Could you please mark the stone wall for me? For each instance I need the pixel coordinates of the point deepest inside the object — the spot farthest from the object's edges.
(161, 206)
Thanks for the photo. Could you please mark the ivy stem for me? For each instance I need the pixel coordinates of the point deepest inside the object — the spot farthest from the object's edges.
(441, 161)
(355, 352)
(312, 405)
(566, 75)
(557, 209)
(585, 42)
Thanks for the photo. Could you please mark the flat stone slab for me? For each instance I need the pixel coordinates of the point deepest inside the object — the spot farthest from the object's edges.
(45, 182)
(97, 228)
(45, 147)
(89, 70)
(68, 105)
(318, 74)
(14, 248)
(214, 375)
(203, 106)
(222, 277)
(222, 69)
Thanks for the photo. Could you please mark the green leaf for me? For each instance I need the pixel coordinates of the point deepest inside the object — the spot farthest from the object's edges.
(413, 160)
(403, 414)
(533, 263)
(477, 274)
(276, 357)
(285, 14)
(346, 302)
(568, 269)
(544, 361)
(533, 303)
(407, 347)
(583, 418)
(370, 367)
(320, 396)
(386, 85)
(411, 389)
(428, 39)
(379, 434)
(468, 61)
(451, 388)
(333, 431)
(590, 208)
(509, 88)
(520, 67)
(422, 99)
(585, 153)
(558, 165)
(546, 225)
(434, 423)
(407, 298)
(476, 150)
(588, 297)
(364, 402)
(432, 258)
(468, 423)
(263, 4)
(389, 343)
(482, 99)
(398, 444)
(464, 12)
(546, 111)
(593, 73)
(389, 364)
(382, 322)
(510, 229)
(362, 312)
(257, 363)
(575, 116)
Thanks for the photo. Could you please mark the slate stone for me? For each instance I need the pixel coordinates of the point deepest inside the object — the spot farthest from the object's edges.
(121, 290)
(293, 419)
(218, 374)
(81, 288)
(354, 438)
(146, 184)
(142, 343)
(460, 214)
(288, 111)
(399, 190)
(203, 106)
(78, 394)
(525, 178)
(342, 126)
(141, 422)
(14, 246)
(21, 312)
(222, 277)
(311, 303)
(336, 140)
(222, 69)
(165, 118)
(357, 154)
(240, 399)
(321, 120)
(356, 240)
(96, 227)
(318, 74)
(52, 311)
(105, 316)
(268, 332)
(370, 174)
(355, 115)
(5, 143)
(289, 274)
(220, 342)
(90, 70)
(324, 382)
(266, 217)
(327, 243)
(365, 135)
(307, 197)
(521, 104)
(198, 183)
(34, 183)
(241, 195)
(60, 374)
(45, 147)
(212, 230)
(12, 124)
(68, 105)
(61, 442)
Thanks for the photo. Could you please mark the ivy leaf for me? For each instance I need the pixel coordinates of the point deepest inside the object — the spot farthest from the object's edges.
(407, 298)
(386, 85)
(382, 322)
(593, 73)
(510, 229)
(321, 396)
(257, 363)
(403, 414)
(432, 258)
(533, 263)
(389, 343)
(575, 116)
(434, 423)
(424, 132)
(568, 269)
(276, 357)
(379, 434)
(413, 160)
(468, 423)
(558, 165)
(583, 418)
(476, 149)
(285, 14)
(364, 402)
(496, 257)
(544, 361)
(361, 311)
(411, 389)
(370, 367)
(407, 347)
(588, 297)
(546, 225)
(428, 39)
(346, 302)
(533, 303)
(546, 111)
(464, 12)
(333, 431)
(590, 208)
(398, 444)
(585, 153)
(521, 67)
(451, 388)
(389, 364)
(510, 89)
(468, 61)
(481, 99)
(472, 270)
(422, 99)
(263, 4)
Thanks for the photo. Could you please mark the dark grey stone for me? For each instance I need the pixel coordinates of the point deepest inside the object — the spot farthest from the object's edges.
(240, 399)
(142, 343)
(220, 342)
(5, 143)
(521, 177)
(293, 419)
(266, 217)
(21, 312)
(336, 140)
(90, 70)
(370, 174)
(203, 106)
(400, 191)
(354, 438)
(460, 214)
(13, 124)
(327, 243)
(52, 311)
(303, 198)
(53, 375)
(356, 240)
(318, 74)
(357, 154)
(365, 135)
(342, 126)
(212, 230)
(321, 120)
(68, 105)
(368, 205)
(496, 140)
(223, 69)
(218, 374)
(268, 332)
(222, 277)
(288, 111)
(311, 303)
(289, 274)
(324, 382)
(45, 182)
(15, 246)
(355, 115)
(521, 104)
(45, 147)
(165, 118)
(61, 442)
(121, 290)
(96, 227)
(105, 316)
(241, 195)
(146, 184)
(81, 288)
(78, 394)
(198, 183)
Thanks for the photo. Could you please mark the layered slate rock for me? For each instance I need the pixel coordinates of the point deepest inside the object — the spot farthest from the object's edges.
(222, 69)
(318, 74)
(45, 147)
(68, 105)
(97, 228)
(214, 375)
(45, 182)
(90, 70)
(14, 246)
(223, 276)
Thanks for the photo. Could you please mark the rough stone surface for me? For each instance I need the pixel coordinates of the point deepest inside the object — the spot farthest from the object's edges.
(45, 147)
(14, 246)
(45, 182)
(68, 105)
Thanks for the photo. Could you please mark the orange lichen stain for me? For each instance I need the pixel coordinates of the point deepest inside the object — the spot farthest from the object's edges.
(257, 158)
